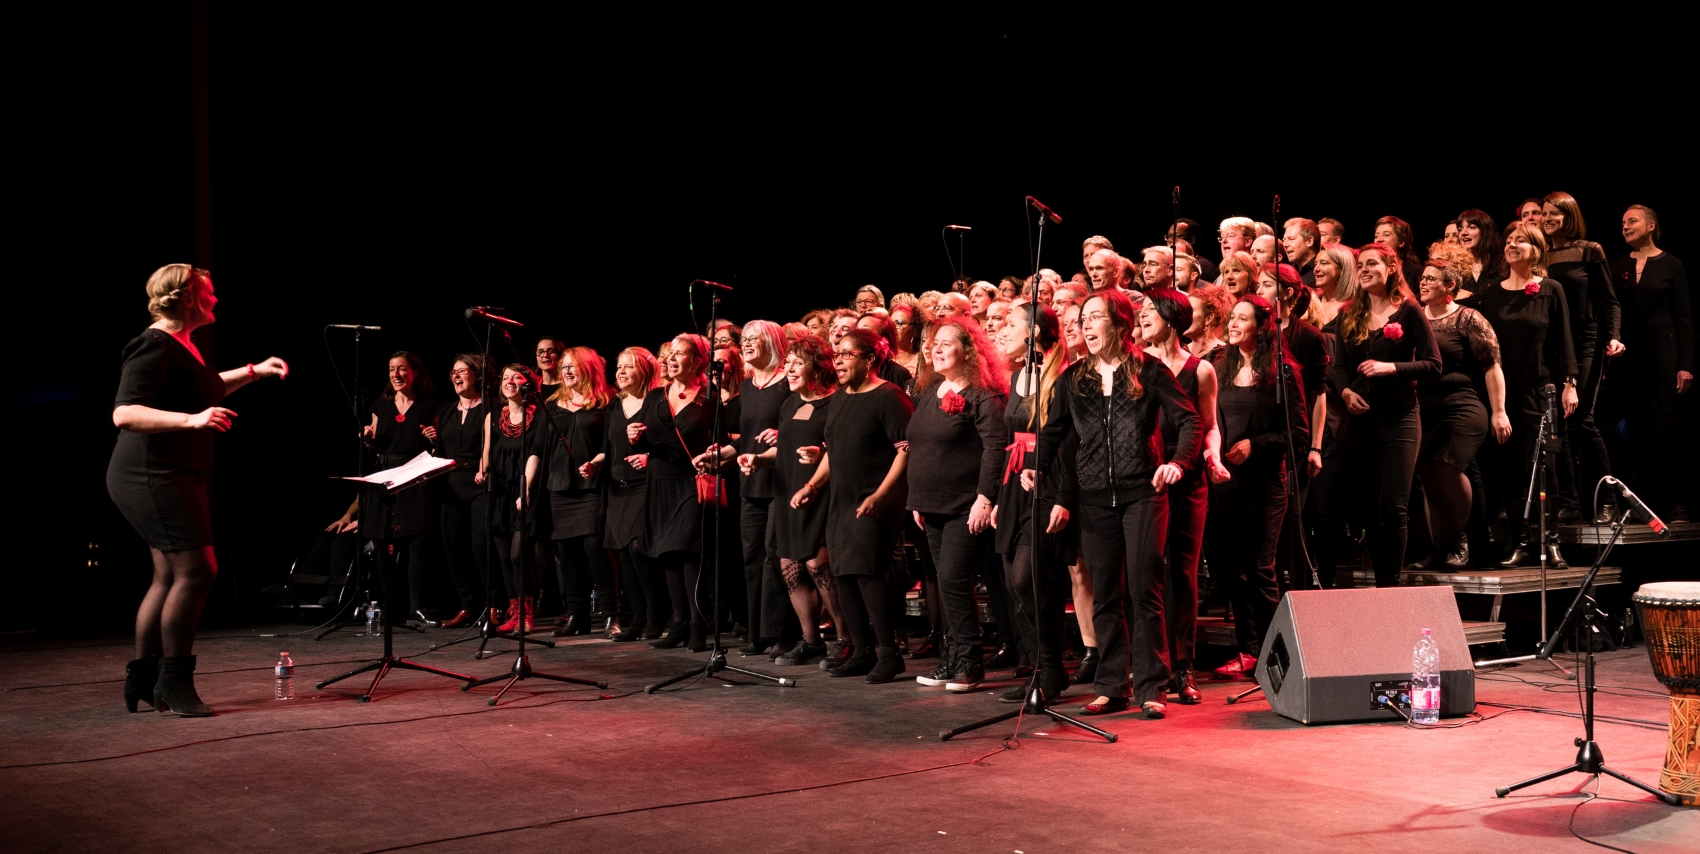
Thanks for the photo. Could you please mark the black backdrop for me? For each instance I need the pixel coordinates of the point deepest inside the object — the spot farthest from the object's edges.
(394, 167)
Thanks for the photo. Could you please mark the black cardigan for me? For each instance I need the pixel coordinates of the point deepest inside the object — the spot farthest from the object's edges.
(1121, 437)
(955, 457)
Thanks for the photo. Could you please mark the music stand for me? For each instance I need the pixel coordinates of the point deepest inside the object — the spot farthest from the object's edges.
(391, 511)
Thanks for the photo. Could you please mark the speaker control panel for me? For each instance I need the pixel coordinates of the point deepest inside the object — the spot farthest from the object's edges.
(1384, 694)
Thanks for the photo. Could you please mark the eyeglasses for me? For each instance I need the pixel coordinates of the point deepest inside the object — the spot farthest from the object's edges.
(1429, 280)
(548, 351)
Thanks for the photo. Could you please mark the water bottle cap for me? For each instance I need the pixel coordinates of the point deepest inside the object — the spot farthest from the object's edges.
(1425, 631)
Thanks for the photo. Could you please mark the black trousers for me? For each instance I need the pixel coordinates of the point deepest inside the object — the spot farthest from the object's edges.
(1189, 503)
(1584, 459)
(1249, 515)
(466, 541)
(958, 555)
(1326, 513)
(645, 586)
(1508, 473)
(1123, 550)
(581, 568)
(770, 613)
(1383, 459)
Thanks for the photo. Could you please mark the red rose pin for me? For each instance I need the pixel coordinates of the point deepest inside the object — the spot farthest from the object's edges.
(1532, 288)
(1393, 331)
(953, 403)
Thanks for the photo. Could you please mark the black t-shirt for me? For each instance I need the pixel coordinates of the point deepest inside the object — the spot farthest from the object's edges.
(1535, 346)
(759, 411)
(1412, 353)
(954, 457)
(862, 435)
(160, 373)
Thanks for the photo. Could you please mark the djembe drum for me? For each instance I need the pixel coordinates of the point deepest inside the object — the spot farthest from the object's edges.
(1670, 618)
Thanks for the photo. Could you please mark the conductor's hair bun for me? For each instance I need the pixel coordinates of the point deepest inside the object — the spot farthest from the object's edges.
(167, 288)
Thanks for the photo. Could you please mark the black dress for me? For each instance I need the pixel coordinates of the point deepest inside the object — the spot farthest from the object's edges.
(575, 503)
(1535, 344)
(1658, 337)
(160, 480)
(1015, 505)
(460, 437)
(627, 522)
(510, 445)
(1454, 420)
(399, 437)
(674, 516)
(863, 433)
(798, 533)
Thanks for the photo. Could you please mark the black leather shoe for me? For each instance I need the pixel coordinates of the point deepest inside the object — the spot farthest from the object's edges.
(1554, 559)
(927, 647)
(572, 624)
(1185, 690)
(676, 634)
(1520, 556)
(1087, 671)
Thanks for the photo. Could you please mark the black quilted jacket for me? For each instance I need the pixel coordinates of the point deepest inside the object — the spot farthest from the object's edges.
(1121, 438)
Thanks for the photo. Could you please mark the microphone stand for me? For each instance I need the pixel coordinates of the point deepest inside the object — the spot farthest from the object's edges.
(357, 576)
(1285, 373)
(708, 515)
(1538, 462)
(521, 668)
(1589, 758)
(1035, 703)
(487, 629)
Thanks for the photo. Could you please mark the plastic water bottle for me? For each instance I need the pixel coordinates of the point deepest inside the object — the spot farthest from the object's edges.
(374, 618)
(285, 672)
(1425, 680)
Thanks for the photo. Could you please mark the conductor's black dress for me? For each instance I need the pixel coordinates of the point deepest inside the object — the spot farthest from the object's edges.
(160, 480)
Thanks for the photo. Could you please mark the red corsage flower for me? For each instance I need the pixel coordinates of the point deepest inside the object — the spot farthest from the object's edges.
(953, 403)
(1532, 288)
(1393, 331)
(400, 417)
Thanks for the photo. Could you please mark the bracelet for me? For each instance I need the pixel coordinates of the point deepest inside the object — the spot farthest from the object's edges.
(1316, 450)
(250, 372)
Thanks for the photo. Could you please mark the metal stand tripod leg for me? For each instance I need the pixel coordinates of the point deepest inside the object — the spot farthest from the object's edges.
(1034, 705)
(389, 661)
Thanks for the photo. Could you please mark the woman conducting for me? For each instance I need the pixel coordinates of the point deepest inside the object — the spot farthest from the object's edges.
(167, 410)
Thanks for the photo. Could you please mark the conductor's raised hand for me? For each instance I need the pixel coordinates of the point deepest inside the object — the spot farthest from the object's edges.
(212, 418)
(808, 454)
(270, 368)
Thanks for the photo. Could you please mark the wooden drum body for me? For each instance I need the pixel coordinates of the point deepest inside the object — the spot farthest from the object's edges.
(1670, 618)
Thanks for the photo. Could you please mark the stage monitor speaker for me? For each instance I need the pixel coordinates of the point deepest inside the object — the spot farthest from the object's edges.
(1329, 654)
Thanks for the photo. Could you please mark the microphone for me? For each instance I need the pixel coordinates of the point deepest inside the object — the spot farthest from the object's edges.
(1653, 521)
(711, 284)
(1050, 214)
(957, 228)
(1175, 195)
(1549, 393)
(484, 313)
(354, 327)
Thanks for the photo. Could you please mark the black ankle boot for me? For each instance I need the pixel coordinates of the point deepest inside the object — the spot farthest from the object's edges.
(175, 690)
(860, 664)
(699, 638)
(676, 633)
(139, 678)
(887, 666)
(1087, 672)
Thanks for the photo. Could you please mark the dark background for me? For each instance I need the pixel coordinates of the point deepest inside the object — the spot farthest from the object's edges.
(393, 167)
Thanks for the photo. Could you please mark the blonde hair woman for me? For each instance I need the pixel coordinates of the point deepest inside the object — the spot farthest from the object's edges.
(167, 411)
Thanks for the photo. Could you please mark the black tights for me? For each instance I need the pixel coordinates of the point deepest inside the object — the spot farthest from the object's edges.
(510, 552)
(645, 586)
(1042, 642)
(171, 610)
(809, 584)
(581, 566)
(863, 599)
(681, 570)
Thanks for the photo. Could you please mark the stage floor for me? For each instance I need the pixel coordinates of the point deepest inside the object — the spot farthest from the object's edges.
(832, 765)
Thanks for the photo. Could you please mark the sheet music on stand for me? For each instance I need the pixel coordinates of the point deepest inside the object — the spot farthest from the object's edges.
(417, 470)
